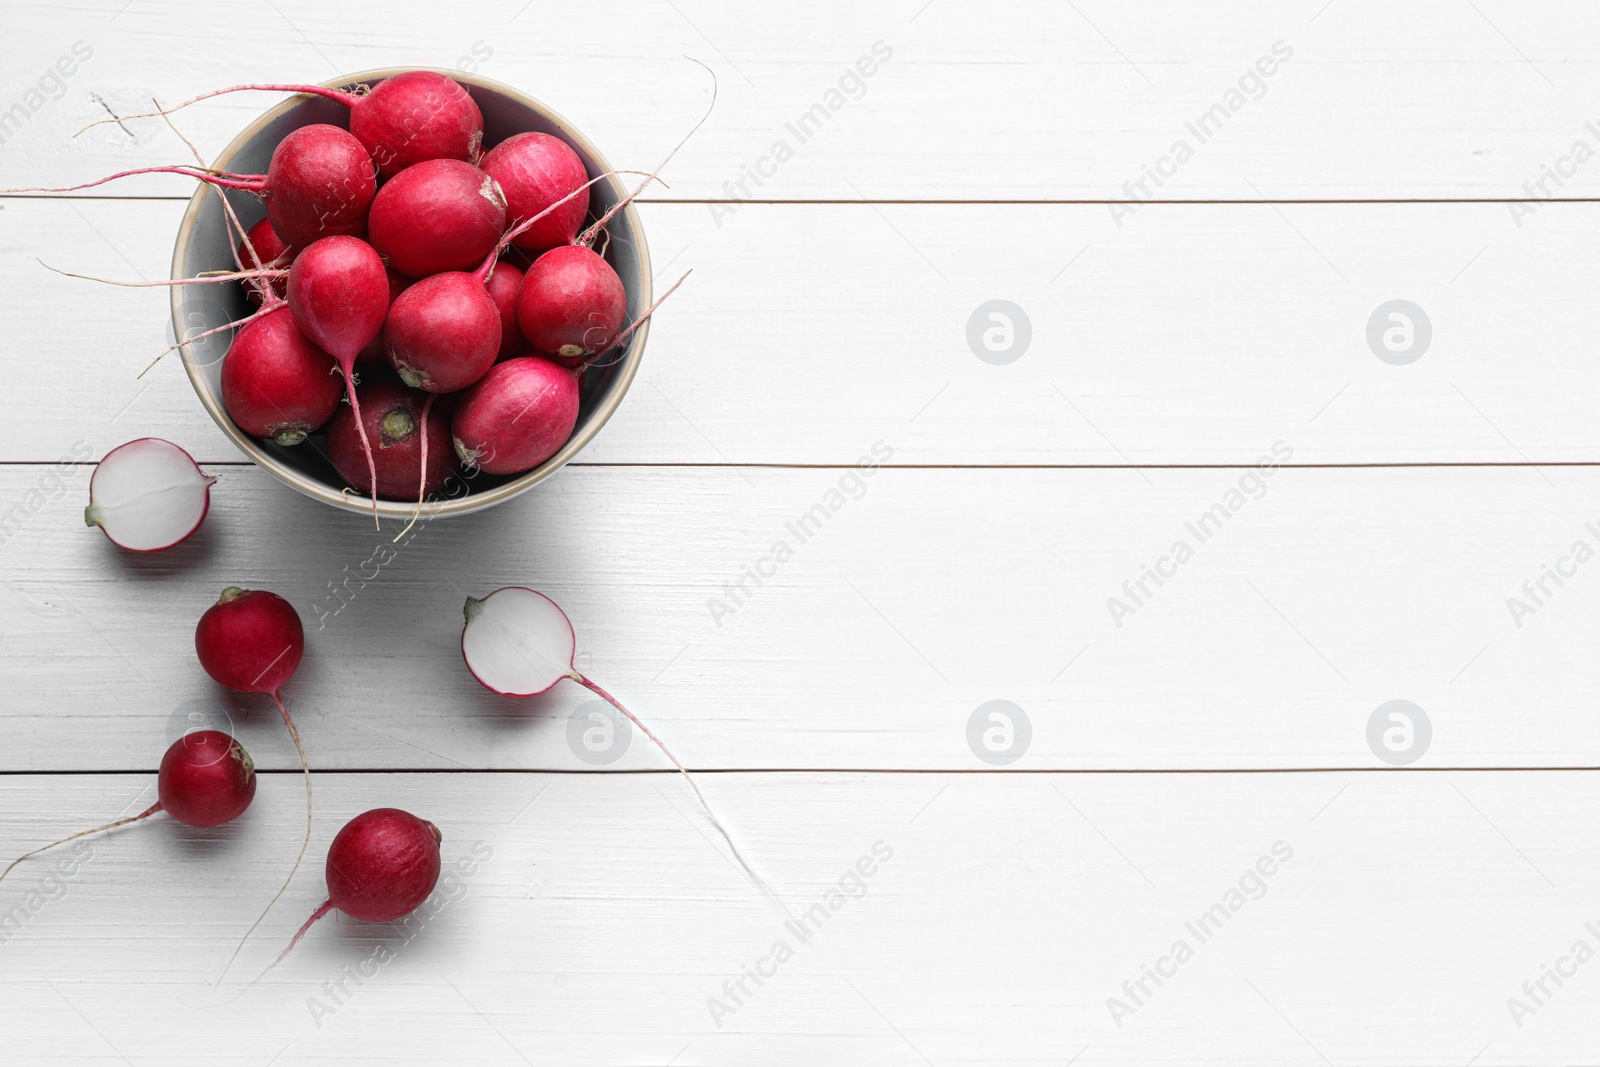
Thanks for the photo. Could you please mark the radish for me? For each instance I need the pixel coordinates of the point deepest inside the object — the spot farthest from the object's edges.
(406, 119)
(148, 495)
(516, 417)
(251, 641)
(320, 182)
(572, 303)
(276, 383)
(439, 215)
(504, 283)
(262, 247)
(394, 419)
(535, 171)
(382, 865)
(443, 333)
(206, 779)
(519, 643)
(339, 295)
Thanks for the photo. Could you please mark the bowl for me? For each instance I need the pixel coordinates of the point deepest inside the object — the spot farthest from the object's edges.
(206, 243)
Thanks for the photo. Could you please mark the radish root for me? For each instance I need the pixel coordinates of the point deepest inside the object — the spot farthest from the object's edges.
(422, 478)
(305, 768)
(151, 810)
(590, 685)
(587, 237)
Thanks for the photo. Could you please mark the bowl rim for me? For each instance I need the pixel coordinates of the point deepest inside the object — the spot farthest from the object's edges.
(469, 502)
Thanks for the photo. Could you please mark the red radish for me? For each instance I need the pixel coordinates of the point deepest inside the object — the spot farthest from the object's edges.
(251, 641)
(394, 418)
(438, 215)
(572, 303)
(535, 171)
(504, 283)
(516, 417)
(339, 295)
(276, 383)
(320, 182)
(206, 779)
(411, 117)
(148, 495)
(443, 333)
(262, 247)
(382, 865)
(519, 643)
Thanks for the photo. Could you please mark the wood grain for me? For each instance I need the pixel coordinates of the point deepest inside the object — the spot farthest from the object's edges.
(1024, 100)
(601, 918)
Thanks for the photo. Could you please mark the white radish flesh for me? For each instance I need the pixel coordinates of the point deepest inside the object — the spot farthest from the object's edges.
(148, 495)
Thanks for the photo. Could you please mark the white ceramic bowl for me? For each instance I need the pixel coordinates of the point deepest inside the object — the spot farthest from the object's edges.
(205, 243)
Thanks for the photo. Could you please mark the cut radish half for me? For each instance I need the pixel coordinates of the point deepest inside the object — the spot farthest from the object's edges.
(519, 643)
(148, 495)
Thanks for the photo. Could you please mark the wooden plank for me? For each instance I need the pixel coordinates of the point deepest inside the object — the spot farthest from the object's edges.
(1197, 335)
(601, 918)
(902, 602)
(1023, 100)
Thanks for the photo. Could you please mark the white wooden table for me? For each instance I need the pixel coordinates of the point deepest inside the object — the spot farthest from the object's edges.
(1200, 747)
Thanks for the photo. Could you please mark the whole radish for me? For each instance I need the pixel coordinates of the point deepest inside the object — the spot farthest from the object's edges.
(382, 865)
(251, 641)
(443, 333)
(206, 779)
(504, 283)
(394, 420)
(406, 119)
(519, 643)
(572, 304)
(276, 383)
(148, 495)
(535, 171)
(438, 215)
(262, 247)
(516, 417)
(339, 295)
(320, 182)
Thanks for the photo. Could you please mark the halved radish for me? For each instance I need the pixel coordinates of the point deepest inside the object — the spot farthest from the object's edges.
(148, 495)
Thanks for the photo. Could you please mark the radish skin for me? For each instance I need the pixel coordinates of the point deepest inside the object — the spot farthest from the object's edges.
(276, 383)
(438, 215)
(537, 171)
(517, 416)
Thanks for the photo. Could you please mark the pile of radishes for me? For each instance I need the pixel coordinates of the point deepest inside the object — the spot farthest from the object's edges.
(402, 261)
